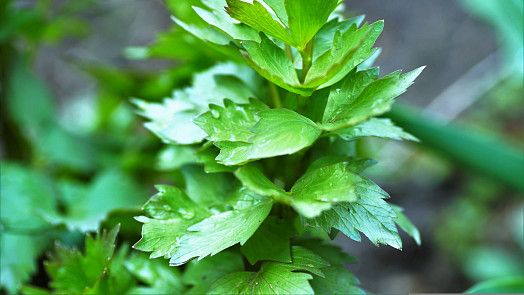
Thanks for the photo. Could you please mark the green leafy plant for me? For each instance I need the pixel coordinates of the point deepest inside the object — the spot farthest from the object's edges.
(268, 165)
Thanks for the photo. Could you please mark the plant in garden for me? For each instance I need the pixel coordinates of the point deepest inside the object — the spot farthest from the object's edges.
(279, 154)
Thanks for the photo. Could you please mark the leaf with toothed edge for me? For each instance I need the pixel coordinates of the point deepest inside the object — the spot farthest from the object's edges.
(382, 128)
(274, 277)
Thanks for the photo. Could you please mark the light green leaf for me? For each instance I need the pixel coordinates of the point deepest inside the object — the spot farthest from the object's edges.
(369, 214)
(514, 284)
(273, 277)
(348, 50)
(338, 280)
(324, 37)
(173, 157)
(376, 99)
(281, 132)
(280, 10)
(270, 241)
(171, 120)
(207, 156)
(232, 122)
(306, 18)
(252, 178)
(73, 272)
(256, 16)
(87, 206)
(181, 235)
(223, 230)
(221, 20)
(201, 274)
(232, 153)
(272, 63)
(317, 190)
(347, 90)
(383, 128)
(406, 225)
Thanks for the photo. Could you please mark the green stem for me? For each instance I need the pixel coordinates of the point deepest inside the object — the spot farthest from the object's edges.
(275, 96)
(289, 53)
(307, 59)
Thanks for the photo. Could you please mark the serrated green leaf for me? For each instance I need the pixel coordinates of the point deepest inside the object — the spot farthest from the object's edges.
(305, 18)
(171, 120)
(338, 280)
(278, 132)
(74, 272)
(405, 224)
(281, 132)
(274, 277)
(376, 99)
(354, 165)
(209, 34)
(270, 241)
(233, 122)
(369, 214)
(315, 192)
(171, 202)
(256, 16)
(201, 274)
(324, 37)
(207, 156)
(181, 239)
(221, 20)
(252, 178)
(348, 50)
(272, 63)
(223, 230)
(383, 128)
(346, 91)
(233, 153)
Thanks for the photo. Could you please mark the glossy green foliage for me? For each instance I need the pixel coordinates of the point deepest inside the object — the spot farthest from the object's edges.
(258, 162)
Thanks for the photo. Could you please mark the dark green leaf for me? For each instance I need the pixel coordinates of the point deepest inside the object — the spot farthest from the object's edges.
(270, 241)
(338, 280)
(201, 274)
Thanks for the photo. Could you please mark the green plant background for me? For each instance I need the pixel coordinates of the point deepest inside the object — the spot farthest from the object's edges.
(68, 71)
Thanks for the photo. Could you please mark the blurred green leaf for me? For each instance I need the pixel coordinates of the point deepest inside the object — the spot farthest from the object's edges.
(513, 285)
(482, 153)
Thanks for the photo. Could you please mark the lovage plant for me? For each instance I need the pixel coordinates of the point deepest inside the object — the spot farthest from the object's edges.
(259, 161)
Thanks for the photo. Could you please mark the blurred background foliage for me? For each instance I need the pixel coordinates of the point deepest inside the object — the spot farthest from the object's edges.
(75, 157)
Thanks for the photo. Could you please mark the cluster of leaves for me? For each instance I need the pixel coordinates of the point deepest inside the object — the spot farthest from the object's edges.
(278, 155)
